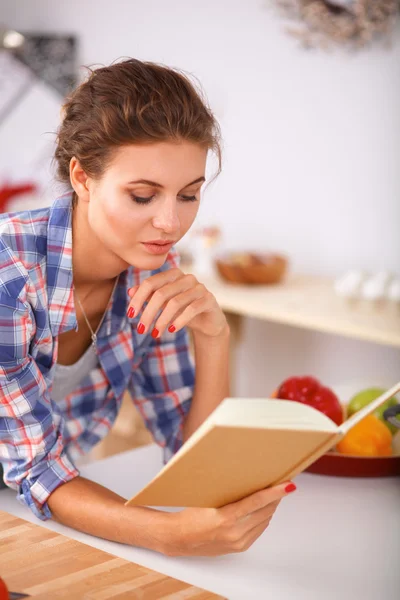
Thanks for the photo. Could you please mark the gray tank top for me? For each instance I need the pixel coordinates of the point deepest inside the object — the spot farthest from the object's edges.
(68, 377)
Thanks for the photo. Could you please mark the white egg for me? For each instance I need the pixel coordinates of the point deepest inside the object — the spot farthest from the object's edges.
(396, 443)
(373, 289)
(393, 292)
(349, 284)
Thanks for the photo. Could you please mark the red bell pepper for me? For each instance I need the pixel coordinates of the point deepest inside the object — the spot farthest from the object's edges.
(309, 390)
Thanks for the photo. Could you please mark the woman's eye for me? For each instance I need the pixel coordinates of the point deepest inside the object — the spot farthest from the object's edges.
(141, 200)
(146, 200)
(188, 198)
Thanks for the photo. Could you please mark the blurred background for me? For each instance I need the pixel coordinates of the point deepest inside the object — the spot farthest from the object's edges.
(311, 132)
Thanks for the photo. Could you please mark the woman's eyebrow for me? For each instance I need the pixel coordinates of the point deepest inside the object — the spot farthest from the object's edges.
(155, 184)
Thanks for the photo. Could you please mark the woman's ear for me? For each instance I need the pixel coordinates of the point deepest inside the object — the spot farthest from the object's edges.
(79, 180)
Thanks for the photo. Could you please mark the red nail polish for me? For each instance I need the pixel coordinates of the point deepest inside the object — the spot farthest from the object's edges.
(155, 333)
(290, 488)
(141, 328)
(131, 313)
(171, 328)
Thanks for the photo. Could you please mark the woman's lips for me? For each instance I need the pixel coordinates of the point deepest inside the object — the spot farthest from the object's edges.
(157, 248)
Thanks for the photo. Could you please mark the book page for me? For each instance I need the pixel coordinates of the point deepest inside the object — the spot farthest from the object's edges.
(261, 412)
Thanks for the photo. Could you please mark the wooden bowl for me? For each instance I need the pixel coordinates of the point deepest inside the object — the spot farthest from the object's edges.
(259, 270)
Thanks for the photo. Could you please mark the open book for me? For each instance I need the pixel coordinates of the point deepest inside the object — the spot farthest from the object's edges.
(246, 445)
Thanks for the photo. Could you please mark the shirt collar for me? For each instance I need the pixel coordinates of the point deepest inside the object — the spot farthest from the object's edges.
(60, 277)
(59, 266)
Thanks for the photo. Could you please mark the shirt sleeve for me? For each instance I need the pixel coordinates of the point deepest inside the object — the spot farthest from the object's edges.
(31, 427)
(161, 387)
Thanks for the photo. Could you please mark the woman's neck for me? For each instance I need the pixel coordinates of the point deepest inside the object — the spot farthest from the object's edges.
(92, 263)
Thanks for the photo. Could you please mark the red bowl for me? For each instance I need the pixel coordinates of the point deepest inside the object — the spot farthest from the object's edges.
(343, 465)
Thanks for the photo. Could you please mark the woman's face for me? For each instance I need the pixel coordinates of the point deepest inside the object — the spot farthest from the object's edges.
(147, 200)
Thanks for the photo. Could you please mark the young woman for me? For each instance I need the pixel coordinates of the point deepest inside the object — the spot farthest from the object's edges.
(93, 303)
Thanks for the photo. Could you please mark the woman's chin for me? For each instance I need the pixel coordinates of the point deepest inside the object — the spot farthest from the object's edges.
(146, 261)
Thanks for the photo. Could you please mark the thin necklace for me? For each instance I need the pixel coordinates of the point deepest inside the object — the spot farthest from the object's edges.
(94, 333)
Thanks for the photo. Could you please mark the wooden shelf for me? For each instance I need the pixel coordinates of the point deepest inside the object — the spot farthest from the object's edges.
(310, 302)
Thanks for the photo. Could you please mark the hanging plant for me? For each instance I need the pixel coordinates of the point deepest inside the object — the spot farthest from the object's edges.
(347, 22)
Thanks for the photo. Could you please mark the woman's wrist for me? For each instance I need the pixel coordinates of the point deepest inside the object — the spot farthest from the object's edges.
(89, 507)
(221, 336)
(212, 378)
(160, 529)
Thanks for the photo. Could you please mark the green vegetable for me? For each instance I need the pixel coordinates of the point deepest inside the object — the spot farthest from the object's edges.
(366, 397)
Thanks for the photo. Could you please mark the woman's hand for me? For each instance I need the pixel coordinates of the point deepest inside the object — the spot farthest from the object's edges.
(232, 528)
(182, 300)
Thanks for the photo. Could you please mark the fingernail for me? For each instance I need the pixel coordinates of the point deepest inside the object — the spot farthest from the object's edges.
(131, 313)
(154, 333)
(171, 328)
(290, 488)
(141, 328)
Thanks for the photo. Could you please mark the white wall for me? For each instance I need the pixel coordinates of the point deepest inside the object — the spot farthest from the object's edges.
(312, 147)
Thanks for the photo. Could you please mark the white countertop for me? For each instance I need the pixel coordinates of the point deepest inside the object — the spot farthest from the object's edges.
(333, 539)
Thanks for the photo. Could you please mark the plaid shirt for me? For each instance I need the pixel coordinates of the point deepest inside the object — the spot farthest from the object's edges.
(39, 438)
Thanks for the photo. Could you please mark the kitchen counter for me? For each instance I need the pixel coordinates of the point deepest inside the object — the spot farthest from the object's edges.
(333, 539)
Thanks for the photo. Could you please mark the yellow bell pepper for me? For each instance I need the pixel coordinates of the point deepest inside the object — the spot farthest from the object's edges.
(370, 437)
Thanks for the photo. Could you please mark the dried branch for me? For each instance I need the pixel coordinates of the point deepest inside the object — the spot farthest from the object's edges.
(348, 22)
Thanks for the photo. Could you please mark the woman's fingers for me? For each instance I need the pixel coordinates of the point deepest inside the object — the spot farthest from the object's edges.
(210, 532)
(260, 499)
(253, 534)
(147, 288)
(132, 291)
(171, 299)
(179, 301)
(202, 305)
(242, 522)
(254, 519)
(254, 525)
(162, 298)
(181, 309)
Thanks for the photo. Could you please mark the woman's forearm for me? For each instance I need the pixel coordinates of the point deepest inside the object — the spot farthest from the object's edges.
(212, 378)
(92, 508)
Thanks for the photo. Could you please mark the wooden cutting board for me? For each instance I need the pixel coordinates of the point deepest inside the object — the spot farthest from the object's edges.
(48, 565)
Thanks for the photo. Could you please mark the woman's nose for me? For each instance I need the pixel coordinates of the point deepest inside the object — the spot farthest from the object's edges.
(167, 217)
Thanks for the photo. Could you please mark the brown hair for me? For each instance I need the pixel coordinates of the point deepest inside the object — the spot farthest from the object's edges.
(131, 102)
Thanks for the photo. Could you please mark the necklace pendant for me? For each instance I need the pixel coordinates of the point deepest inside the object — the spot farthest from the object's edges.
(94, 341)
